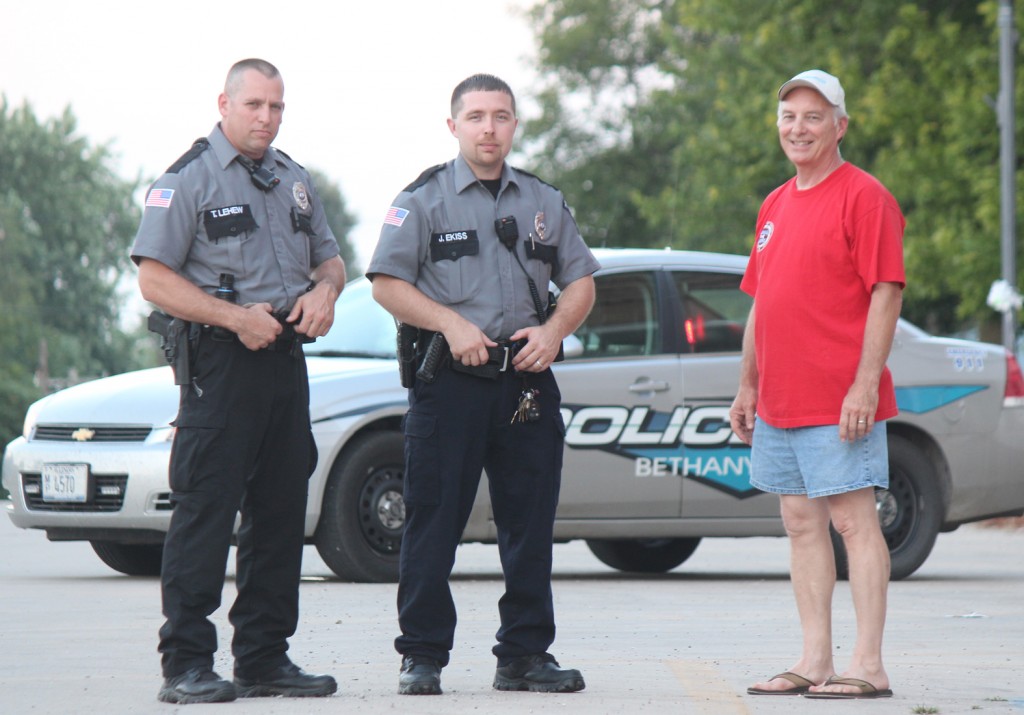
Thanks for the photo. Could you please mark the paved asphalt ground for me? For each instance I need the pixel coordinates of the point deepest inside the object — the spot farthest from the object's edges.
(76, 637)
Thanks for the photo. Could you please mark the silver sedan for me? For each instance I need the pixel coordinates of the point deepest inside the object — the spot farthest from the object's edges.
(651, 465)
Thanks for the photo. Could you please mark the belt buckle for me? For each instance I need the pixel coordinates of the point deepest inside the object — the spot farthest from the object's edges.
(506, 357)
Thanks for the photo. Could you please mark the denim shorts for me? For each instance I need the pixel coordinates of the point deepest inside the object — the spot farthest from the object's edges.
(812, 460)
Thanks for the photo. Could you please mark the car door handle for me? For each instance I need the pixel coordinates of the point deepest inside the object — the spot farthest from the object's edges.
(648, 386)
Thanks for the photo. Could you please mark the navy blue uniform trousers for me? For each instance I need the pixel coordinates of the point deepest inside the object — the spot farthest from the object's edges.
(243, 445)
(455, 428)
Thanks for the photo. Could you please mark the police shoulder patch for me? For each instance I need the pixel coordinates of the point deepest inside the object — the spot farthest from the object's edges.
(198, 147)
(423, 178)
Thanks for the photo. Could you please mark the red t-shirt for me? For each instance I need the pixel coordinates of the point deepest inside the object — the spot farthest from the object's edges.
(818, 254)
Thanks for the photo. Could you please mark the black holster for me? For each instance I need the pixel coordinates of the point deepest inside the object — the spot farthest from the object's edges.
(174, 340)
(406, 350)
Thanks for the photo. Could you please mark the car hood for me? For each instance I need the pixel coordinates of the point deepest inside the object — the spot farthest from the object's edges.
(150, 397)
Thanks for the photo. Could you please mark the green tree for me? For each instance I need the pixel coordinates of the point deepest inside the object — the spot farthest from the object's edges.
(66, 221)
(338, 218)
(20, 328)
(670, 107)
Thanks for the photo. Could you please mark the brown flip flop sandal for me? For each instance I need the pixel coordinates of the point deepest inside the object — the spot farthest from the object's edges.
(801, 685)
(867, 690)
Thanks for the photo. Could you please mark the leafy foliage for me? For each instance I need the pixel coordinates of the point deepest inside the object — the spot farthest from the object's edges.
(66, 224)
(338, 218)
(66, 221)
(658, 123)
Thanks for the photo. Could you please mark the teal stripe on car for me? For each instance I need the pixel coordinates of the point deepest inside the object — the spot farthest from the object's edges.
(926, 399)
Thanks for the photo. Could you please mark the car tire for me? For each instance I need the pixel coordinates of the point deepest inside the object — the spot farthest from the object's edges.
(643, 555)
(130, 559)
(910, 512)
(363, 515)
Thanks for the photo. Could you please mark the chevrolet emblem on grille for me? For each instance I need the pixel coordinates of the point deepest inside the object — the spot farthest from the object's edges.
(83, 434)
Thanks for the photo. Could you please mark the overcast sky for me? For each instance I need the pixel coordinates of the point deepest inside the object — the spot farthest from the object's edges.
(367, 84)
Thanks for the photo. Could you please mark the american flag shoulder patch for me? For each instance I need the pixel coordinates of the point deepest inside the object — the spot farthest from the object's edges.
(160, 197)
(395, 216)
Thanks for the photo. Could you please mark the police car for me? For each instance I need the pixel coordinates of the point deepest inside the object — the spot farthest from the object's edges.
(651, 465)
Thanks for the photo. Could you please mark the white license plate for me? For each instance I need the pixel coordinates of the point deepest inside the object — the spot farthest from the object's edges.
(65, 482)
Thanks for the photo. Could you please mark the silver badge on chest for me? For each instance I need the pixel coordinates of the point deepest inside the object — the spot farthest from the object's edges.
(301, 197)
(538, 225)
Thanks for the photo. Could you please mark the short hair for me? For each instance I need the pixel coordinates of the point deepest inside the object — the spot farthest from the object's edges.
(234, 78)
(480, 83)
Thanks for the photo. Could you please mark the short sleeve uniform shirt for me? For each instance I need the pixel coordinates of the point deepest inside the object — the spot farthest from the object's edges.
(440, 235)
(207, 218)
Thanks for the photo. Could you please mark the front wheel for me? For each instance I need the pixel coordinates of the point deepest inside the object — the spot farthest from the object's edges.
(909, 511)
(130, 559)
(643, 555)
(363, 515)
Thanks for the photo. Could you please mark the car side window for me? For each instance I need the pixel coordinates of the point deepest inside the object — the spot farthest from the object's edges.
(714, 311)
(624, 321)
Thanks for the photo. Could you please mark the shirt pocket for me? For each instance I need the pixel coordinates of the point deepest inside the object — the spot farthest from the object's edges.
(542, 262)
(454, 256)
(228, 221)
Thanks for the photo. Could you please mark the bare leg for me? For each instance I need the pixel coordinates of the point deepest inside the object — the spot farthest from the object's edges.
(813, 574)
(856, 519)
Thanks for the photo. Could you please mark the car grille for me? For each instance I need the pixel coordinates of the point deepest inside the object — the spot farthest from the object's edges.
(77, 433)
(107, 494)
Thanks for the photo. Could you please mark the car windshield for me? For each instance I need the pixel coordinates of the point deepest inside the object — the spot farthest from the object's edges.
(361, 327)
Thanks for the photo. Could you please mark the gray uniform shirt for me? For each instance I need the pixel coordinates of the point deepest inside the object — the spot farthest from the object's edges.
(208, 218)
(440, 236)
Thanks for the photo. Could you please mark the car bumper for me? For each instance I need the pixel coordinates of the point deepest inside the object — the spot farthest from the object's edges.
(127, 487)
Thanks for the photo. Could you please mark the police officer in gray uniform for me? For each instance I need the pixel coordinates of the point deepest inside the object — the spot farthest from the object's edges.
(235, 207)
(465, 252)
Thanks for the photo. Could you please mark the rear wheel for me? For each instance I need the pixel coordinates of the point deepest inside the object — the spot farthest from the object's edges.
(360, 530)
(643, 555)
(909, 511)
(131, 559)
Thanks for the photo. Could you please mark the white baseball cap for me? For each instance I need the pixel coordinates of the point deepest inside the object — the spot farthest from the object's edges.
(823, 83)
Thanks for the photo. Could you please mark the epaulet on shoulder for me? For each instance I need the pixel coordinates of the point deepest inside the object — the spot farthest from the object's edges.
(423, 178)
(534, 176)
(198, 147)
(286, 156)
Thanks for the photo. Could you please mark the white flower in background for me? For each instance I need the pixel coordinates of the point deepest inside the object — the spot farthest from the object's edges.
(1004, 297)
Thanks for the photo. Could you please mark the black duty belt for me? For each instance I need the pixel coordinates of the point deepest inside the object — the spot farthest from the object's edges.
(292, 344)
(501, 355)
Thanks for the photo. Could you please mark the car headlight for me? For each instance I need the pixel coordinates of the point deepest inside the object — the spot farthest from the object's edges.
(31, 417)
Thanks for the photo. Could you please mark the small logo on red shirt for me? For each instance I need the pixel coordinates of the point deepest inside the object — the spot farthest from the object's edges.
(765, 236)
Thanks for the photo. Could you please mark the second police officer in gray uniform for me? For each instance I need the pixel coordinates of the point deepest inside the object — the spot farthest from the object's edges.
(466, 252)
(236, 214)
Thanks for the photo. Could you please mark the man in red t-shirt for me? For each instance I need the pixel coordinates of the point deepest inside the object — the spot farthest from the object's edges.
(826, 274)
